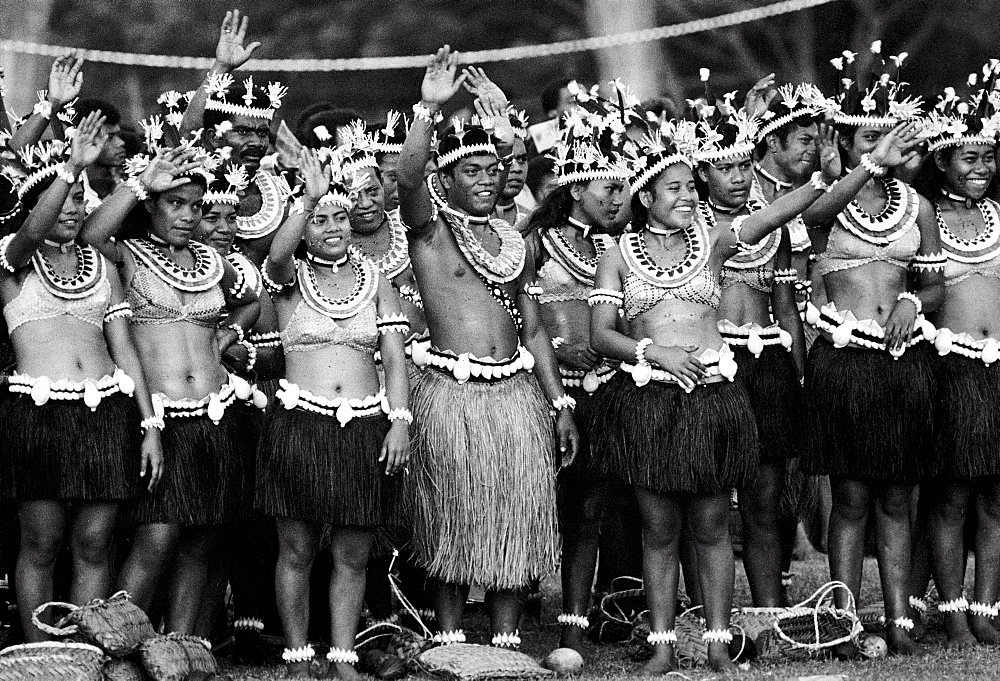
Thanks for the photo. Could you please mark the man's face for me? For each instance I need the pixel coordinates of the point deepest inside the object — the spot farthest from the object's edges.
(113, 152)
(518, 171)
(566, 103)
(368, 209)
(797, 155)
(387, 166)
(248, 139)
(471, 184)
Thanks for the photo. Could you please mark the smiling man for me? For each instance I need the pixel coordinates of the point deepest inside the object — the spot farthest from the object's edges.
(483, 483)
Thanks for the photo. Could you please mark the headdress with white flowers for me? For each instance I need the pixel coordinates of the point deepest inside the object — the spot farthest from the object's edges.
(878, 99)
(157, 141)
(174, 104)
(667, 142)
(228, 188)
(218, 91)
(344, 183)
(390, 139)
(41, 162)
(974, 120)
(791, 103)
(359, 147)
(474, 138)
(518, 121)
(719, 119)
(592, 138)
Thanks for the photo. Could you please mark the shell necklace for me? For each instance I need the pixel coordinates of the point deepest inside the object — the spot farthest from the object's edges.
(983, 247)
(363, 292)
(639, 260)
(579, 266)
(898, 216)
(396, 258)
(758, 254)
(272, 208)
(206, 272)
(88, 276)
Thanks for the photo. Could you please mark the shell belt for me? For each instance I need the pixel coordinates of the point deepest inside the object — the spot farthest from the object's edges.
(41, 389)
(718, 363)
(591, 380)
(213, 405)
(986, 349)
(345, 410)
(467, 366)
(847, 330)
(754, 337)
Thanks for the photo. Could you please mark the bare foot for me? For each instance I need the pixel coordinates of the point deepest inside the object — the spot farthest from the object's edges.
(298, 670)
(572, 637)
(984, 631)
(919, 629)
(899, 641)
(343, 671)
(664, 660)
(718, 658)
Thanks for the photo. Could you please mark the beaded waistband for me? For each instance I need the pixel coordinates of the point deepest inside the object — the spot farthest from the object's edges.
(213, 405)
(591, 380)
(985, 349)
(719, 365)
(754, 337)
(41, 389)
(345, 410)
(465, 367)
(847, 330)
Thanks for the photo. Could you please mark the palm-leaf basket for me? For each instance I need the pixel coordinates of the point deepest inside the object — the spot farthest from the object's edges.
(469, 662)
(619, 611)
(52, 661)
(116, 625)
(174, 656)
(819, 627)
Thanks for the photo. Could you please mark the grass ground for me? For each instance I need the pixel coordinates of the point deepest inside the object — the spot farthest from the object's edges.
(612, 662)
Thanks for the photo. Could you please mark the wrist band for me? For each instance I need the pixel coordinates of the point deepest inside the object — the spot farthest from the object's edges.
(240, 333)
(392, 323)
(400, 414)
(868, 164)
(640, 350)
(422, 112)
(115, 311)
(153, 422)
(912, 297)
(137, 188)
(564, 401)
(65, 175)
(43, 108)
(818, 183)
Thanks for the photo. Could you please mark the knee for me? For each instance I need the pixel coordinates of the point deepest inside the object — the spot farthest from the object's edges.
(894, 504)
(92, 546)
(660, 534)
(710, 528)
(759, 510)
(297, 554)
(950, 508)
(351, 555)
(850, 508)
(154, 547)
(41, 548)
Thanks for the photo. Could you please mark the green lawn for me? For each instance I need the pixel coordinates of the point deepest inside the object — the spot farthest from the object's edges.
(612, 661)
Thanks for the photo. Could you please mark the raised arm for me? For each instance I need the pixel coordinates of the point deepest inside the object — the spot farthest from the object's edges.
(279, 267)
(439, 85)
(65, 80)
(896, 148)
(491, 106)
(164, 172)
(87, 144)
(230, 54)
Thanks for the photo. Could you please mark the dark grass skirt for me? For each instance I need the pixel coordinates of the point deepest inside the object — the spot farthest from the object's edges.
(483, 483)
(661, 438)
(585, 469)
(311, 469)
(967, 428)
(870, 417)
(772, 383)
(63, 450)
(207, 472)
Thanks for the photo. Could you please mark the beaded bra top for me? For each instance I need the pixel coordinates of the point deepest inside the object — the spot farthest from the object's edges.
(155, 301)
(753, 267)
(38, 299)
(567, 274)
(857, 238)
(966, 257)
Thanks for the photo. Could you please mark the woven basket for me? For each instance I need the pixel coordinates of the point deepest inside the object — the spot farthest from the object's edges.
(124, 670)
(174, 656)
(755, 620)
(821, 626)
(117, 625)
(468, 662)
(619, 612)
(52, 661)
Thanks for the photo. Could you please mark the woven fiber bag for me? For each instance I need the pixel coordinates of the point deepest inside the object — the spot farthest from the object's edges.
(52, 661)
(821, 626)
(124, 670)
(619, 611)
(117, 625)
(468, 662)
(174, 656)
(755, 620)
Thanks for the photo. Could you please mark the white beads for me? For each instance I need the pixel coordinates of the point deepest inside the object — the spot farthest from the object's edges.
(640, 350)
(250, 623)
(571, 620)
(343, 656)
(904, 623)
(605, 296)
(717, 636)
(918, 604)
(818, 183)
(507, 640)
(152, 423)
(912, 297)
(303, 654)
(564, 402)
(656, 638)
(400, 415)
(983, 610)
(449, 637)
(954, 605)
(871, 167)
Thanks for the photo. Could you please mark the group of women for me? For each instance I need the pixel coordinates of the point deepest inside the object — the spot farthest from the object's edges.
(146, 347)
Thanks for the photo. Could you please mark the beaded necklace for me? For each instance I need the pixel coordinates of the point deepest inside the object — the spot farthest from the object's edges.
(580, 267)
(778, 184)
(272, 208)
(89, 274)
(396, 258)
(899, 215)
(246, 270)
(640, 262)
(206, 272)
(362, 293)
(983, 247)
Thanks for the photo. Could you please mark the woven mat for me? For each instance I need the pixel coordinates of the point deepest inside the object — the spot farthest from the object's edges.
(469, 662)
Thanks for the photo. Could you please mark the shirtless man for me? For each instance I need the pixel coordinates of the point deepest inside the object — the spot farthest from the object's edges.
(483, 482)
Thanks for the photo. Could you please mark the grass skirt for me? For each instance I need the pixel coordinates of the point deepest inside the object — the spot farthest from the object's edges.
(967, 428)
(772, 382)
(483, 483)
(311, 469)
(661, 438)
(207, 472)
(870, 417)
(63, 450)
(585, 469)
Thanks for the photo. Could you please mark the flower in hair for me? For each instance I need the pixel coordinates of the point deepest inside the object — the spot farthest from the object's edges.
(219, 84)
(275, 91)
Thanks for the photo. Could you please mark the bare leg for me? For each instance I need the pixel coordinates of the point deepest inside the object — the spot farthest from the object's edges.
(987, 558)
(449, 603)
(846, 539)
(153, 548)
(920, 556)
(948, 501)
(188, 585)
(716, 568)
(662, 520)
(42, 526)
(761, 536)
(689, 565)
(892, 527)
(298, 542)
(580, 516)
(350, 548)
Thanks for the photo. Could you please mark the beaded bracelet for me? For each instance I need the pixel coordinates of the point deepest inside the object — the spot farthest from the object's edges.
(932, 262)
(868, 164)
(640, 350)
(392, 323)
(789, 276)
(134, 184)
(65, 175)
(4, 263)
(818, 183)
(400, 414)
(912, 297)
(240, 333)
(251, 353)
(605, 296)
(152, 422)
(303, 654)
(564, 401)
(271, 285)
(343, 656)
(270, 339)
(422, 112)
(717, 636)
(123, 310)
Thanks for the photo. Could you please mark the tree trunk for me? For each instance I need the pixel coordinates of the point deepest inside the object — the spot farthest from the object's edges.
(639, 66)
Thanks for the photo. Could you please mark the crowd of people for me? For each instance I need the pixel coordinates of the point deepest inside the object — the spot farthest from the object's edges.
(410, 335)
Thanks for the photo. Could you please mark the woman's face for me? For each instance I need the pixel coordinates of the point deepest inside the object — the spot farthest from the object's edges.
(672, 198)
(217, 227)
(71, 215)
(328, 232)
(600, 201)
(969, 170)
(864, 141)
(175, 213)
(728, 180)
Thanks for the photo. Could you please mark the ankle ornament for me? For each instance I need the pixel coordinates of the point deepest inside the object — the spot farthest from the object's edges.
(343, 656)
(717, 636)
(571, 620)
(507, 640)
(918, 604)
(447, 638)
(904, 623)
(293, 655)
(954, 605)
(984, 610)
(657, 638)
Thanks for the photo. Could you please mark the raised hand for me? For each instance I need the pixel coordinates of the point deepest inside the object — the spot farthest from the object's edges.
(759, 97)
(898, 146)
(479, 84)
(88, 141)
(230, 53)
(65, 79)
(166, 168)
(496, 119)
(316, 178)
(440, 84)
(828, 148)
